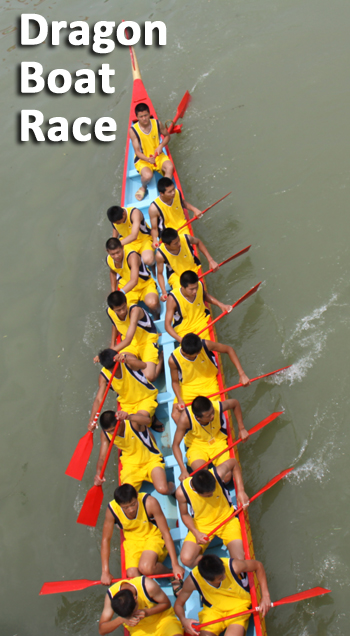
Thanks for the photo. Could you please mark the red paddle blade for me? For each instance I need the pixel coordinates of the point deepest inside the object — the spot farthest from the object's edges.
(263, 423)
(80, 457)
(271, 483)
(60, 587)
(91, 507)
(301, 596)
(182, 107)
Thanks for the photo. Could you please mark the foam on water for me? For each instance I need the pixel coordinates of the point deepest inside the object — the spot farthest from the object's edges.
(201, 79)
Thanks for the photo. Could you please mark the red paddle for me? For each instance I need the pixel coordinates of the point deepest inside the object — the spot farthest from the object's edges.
(81, 455)
(92, 503)
(237, 386)
(269, 485)
(204, 211)
(209, 271)
(181, 109)
(253, 430)
(61, 587)
(294, 598)
(238, 302)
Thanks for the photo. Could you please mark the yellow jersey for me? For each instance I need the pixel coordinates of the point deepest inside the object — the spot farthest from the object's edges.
(124, 229)
(132, 388)
(170, 215)
(201, 435)
(183, 261)
(144, 601)
(148, 141)
(230, 598)
(145, 330)
(139, 529)
(123, 273)
(137, 448)
(208, 512)
(196, 377)
(189, 317)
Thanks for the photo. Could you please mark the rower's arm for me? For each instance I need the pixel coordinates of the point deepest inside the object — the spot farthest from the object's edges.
(113, 279)
(212, 263)
(104, 444)
(153, 509)
(169, 315)
(175, 381)
(224, 471)
(153, 215)
(135, 316)
(131, 360)
(221, 348)
(137, 217)
(156, 593)
(139, 419)
(192, 208)
(181, 429)
(160, 273)
(107, 533)
(102, 383)
(235, 406)
(134, 265)
(136, 146)
(179, 606)
(208, 298)
(250, 565)
(165, 135)
(107, 623)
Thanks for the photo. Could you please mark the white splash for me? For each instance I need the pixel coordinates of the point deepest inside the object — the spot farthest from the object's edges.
(201, 79)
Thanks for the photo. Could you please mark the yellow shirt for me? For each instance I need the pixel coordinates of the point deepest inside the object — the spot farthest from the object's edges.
(183, 261)
(137, 448)
(230, 598)
(140, 528)
(132, 388)
(124, 229)
(170, 215)
(148, 141)
(196, 377)
(208, 512)
(145, 330)
(189, 317)
(203, 435)
(123, 272)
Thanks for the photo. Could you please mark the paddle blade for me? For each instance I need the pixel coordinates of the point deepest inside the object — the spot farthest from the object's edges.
(60, 587)
(182, 107)
(263, 423)
(272, 483)
(301, 596)
(91, 507)
(80, 457)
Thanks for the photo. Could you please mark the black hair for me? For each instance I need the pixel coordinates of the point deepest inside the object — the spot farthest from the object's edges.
(107, 420)
(164, 183)
(203, 482)
(106, 358)
(188, 278)
(123, 603)
(113, 244)
(191, 344)
(115, 213)
(210, 566)
(124, 494)
(168, 235)
(116, 299)
(140, 108)
(200, 405)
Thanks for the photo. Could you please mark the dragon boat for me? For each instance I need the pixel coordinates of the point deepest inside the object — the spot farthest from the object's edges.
(131, 183)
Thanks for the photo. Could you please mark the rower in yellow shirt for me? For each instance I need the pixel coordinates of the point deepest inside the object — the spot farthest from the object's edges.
(167, 210)
(203, 426)
(177, 254)
(209, 504)
(185, 307)
(128, 271)
(194, 370)
(147, 539)
(222, 586)
(138, 332)
(130, 227)
(145, 135)
(142, 607)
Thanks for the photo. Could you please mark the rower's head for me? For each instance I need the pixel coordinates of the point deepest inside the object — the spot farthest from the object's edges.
(189, 282)
(115, 249)
(116, 214)
(126, 498)
(171, 239)
(203, 410)
(166, 188)
(108, 421)
(204, 483)
(117, 302)
(124, 603)
(191, 345)
(212, 569)
(106, 357)
(142, 114)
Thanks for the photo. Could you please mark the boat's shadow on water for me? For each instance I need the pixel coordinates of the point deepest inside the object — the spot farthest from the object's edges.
(80, 616)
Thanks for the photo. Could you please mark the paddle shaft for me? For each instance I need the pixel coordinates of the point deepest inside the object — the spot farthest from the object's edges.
(61, 587)
(104, 465)
(237, 386)
(226, 261)
(238, 302)
(105, 393)
(204, 211)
